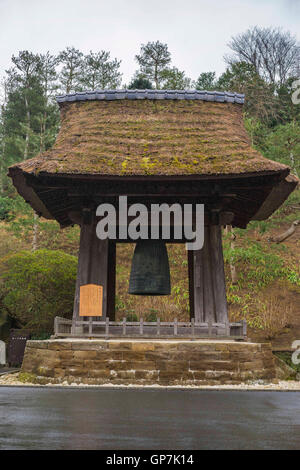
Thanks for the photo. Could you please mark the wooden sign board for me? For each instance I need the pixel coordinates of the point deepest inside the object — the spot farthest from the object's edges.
(90, 304)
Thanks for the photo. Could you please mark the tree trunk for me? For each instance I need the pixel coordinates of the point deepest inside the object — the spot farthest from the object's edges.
(35, 232)
(156, 78)
(233, 272)
(292, 158)
(27, 129)
(43, 132)
(286, 234)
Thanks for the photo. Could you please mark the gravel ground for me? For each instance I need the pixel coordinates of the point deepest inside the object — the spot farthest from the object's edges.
(13, 380)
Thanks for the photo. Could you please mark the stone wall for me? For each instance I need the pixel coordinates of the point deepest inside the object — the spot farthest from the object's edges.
(172, 362)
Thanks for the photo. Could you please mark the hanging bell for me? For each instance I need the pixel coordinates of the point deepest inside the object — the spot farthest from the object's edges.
(150, 274)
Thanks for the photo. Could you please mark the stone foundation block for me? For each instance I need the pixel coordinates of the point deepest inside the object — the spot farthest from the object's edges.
(156, 361)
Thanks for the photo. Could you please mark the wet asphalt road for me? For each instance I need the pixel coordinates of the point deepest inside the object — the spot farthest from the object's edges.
(114, 419)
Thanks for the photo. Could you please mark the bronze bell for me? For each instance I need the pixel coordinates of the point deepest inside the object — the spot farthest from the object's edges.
(150, 274)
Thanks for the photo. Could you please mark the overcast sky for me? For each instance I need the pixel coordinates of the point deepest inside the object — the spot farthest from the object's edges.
(197, 31)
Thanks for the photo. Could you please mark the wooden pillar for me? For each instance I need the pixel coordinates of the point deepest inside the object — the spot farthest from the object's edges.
(217, 263)
(191, 282)
(207, 279)
(96, 265)
(111, 281)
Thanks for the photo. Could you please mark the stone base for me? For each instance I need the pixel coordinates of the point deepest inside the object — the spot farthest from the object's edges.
(148, 362)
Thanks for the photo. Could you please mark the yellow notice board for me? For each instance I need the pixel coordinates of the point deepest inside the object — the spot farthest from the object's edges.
(90, 304)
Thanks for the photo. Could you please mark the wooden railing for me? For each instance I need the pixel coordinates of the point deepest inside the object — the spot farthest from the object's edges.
(92, 328)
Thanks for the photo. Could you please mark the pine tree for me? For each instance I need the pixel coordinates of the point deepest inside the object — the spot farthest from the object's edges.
(25, 77)
(139, 82)
(100, 72)
(72, 63)
(153, 60)
(174, 79)
(206, 81)
(49, 118)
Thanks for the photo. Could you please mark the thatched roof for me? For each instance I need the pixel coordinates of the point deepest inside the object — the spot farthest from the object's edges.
(148, 134)
(150, 137)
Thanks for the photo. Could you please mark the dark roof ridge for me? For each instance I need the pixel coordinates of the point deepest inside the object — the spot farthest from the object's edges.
(110, 95)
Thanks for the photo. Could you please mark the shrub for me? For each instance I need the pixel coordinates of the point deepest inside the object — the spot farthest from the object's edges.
(131, 317)
(37, 286)
(266, 311)
(6, 205)
(275, 315)
(151, 316)
(11, 207)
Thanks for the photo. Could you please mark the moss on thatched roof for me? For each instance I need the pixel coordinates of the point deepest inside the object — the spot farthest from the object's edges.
(150, 137)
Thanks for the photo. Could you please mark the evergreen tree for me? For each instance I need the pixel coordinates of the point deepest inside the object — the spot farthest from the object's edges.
(100, 72)
(139, 82)
(49, 118)
(288, 111)
(29, 116)
(2, 135)
(153, 60)
(174, 79)
(261, 102)
(24, 79)
(206, 81)
(72, 62)
(283, 145)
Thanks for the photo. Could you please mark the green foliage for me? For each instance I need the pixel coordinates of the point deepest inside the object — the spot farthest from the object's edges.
(140, 83)
(283, 145)
(180, 294)
(6, 205)
(71, 60)
(261, 103)
(206, 81)
(174, 79)
(266, 277)
(10, 207)
(237, 76)
(287, 358)
(22, 227)
(37, 286)
(131, 317)
(288, 112)
(100, 72)
(151, 316)
(27, 377)
(41, 336)
(153, 59)
(119, 304)
(260, 266)
(257, 131)
(29, 118)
